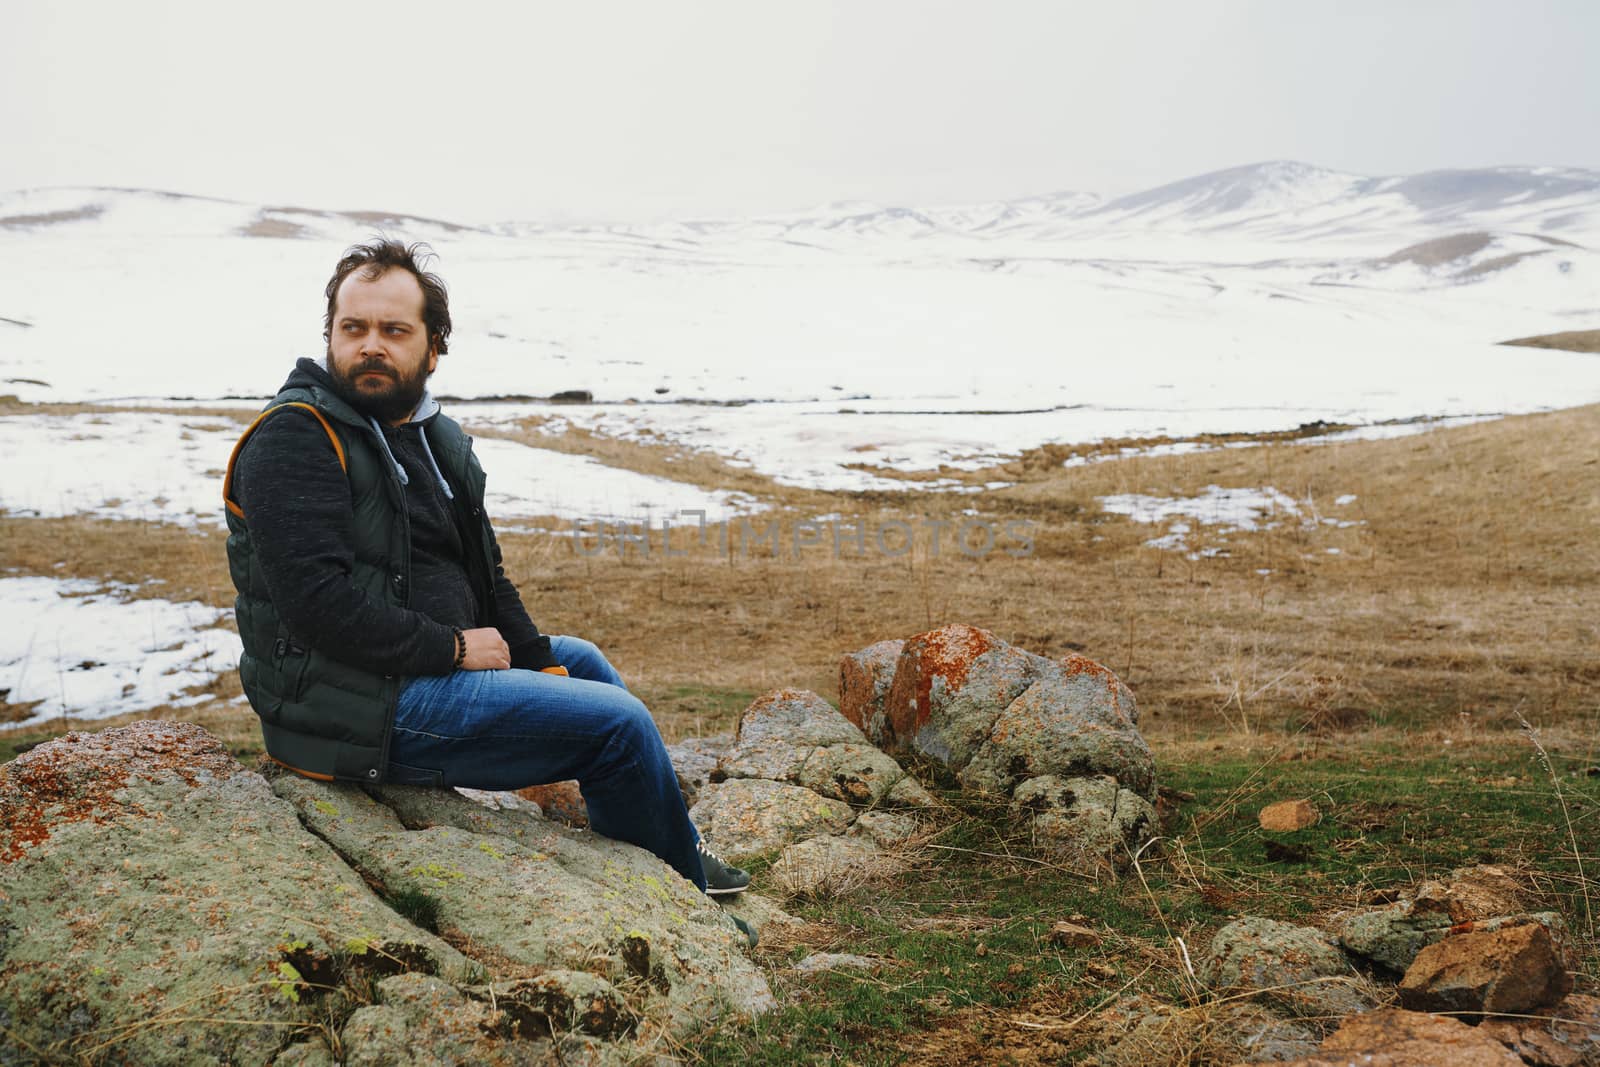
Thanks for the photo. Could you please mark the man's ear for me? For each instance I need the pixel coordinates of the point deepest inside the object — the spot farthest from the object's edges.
(433, 355)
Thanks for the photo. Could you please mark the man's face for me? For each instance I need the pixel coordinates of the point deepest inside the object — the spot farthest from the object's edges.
(379, 354)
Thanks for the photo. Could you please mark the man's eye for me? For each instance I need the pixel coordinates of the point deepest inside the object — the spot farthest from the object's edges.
(395, 329)
(350, 327)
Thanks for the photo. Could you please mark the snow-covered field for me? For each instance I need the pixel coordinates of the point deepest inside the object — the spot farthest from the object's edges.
(812, 347)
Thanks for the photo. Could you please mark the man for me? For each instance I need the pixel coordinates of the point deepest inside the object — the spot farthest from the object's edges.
(383, 641)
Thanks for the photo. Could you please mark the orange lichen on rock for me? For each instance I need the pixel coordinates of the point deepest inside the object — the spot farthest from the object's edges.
(76, 778)
(945, 654)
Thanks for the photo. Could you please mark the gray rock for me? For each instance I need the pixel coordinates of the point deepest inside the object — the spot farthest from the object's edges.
(1088, 823)
(144, 872)
(887, 829)
(1261, 1036)
(1296, 966)
(694, 758)
(1072, 723)
(533, 896)
(795, 736)
(744, 818)
(797, 717)
(829, 867)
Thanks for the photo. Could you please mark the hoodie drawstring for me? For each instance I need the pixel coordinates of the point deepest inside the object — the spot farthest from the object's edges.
(384, 441)
(437, 473)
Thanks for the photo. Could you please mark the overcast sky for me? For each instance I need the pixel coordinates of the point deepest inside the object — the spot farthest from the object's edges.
(595, 109)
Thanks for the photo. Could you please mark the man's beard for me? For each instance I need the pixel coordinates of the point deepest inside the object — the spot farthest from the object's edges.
(396, 400)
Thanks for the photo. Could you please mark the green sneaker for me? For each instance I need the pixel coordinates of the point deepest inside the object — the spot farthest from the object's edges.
(722, 878)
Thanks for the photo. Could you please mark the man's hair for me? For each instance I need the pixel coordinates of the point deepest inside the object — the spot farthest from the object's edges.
(379, 257)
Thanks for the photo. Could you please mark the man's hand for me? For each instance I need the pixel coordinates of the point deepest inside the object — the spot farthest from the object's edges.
(486, 650)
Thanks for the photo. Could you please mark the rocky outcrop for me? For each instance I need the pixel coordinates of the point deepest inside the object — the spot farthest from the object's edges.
(161, 904)
(1060, 738)
(798, 770)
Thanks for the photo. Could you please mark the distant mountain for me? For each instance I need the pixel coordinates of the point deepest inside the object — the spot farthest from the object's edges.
(1279, 202)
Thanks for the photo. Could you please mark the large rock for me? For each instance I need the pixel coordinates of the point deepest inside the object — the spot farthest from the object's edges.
(529, 895)
(146, 876)
(163, 905)
(1074, 721)
(1296, 966)
(417, 1021)
(949, 687)
(998, 719)
(1512, 970)
(1396, 1038)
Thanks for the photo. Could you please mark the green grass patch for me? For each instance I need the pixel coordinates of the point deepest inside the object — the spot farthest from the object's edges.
(965, 938)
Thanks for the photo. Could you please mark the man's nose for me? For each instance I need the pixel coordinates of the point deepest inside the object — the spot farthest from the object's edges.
(372, 343)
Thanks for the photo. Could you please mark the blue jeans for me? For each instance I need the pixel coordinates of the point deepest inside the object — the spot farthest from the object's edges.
(514, 728)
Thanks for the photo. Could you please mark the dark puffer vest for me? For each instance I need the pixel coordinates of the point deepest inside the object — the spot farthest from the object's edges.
(321, 717)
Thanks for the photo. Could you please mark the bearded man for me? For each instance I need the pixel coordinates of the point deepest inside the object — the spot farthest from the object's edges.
(383, 641)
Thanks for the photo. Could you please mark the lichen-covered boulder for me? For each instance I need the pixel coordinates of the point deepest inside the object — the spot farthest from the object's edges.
(1087, 823)
(1297, 966)
(538, 896)
(744, 818)
(997, 719)
(1512, 970)
(146, 876)
(949, 687)
(864, 679)
(1074, 721)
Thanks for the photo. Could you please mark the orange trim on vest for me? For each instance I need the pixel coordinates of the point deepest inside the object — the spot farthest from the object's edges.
(297, 770)
(227, 479)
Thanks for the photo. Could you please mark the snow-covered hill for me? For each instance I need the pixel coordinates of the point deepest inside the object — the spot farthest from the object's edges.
(1252, 298)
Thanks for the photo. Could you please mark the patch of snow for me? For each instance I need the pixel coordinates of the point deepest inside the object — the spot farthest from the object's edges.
(92, 651)
(1228, 510)
(121, 465)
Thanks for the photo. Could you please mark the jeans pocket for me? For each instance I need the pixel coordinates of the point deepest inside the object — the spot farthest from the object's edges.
(405, 774)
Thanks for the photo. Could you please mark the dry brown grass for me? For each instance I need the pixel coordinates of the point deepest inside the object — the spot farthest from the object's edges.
(1568, 340)
(1469, 591)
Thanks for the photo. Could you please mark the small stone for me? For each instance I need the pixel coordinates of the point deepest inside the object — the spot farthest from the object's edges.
(1071, 935)
(1100, 971)
(1514, 970)
(1286, 816)
(818, 962)
(982, 950)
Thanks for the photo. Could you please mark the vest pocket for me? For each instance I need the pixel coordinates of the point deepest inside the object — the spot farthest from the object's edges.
(291, 660)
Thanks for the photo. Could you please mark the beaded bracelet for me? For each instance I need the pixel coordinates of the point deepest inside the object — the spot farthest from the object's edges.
(461, 649)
